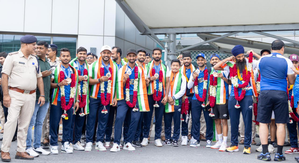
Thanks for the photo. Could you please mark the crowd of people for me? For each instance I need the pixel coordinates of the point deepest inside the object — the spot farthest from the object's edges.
(113, 102)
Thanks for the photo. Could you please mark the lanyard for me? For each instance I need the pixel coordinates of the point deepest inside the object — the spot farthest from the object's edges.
(67, 71)
(106, 67)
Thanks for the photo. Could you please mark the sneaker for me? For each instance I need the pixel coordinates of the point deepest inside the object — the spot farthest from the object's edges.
(264, 157)
(100, 146)
(184, 141)
(158, 143)
(78, 147)
(107, 144)
(42, 151)
(217, 145)
(232, 148)
(67, 148)
(129, 147)
(223, 147)
(115, 148)
(88, 147)
(271, 148)
(259, 149)
(194, 143)
(31, 152)
(175, 143)
(144, 142)
(136, 144)
(168, 142)
(54, 150)
(246, 150)
(279, 157)
(209, 144)
(291, 151)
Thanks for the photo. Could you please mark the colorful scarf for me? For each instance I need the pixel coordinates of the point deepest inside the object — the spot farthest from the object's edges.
(175, 86)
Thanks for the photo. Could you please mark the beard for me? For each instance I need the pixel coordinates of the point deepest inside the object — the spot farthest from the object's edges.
(141, 60)
(106, 58)
(157, 59)
(187, 64)
(115, 59)
(241, 64)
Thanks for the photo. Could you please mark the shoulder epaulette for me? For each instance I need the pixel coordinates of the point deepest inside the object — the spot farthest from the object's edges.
(13, 53)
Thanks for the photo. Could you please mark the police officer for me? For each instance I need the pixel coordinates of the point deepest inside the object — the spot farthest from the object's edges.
(20, 75)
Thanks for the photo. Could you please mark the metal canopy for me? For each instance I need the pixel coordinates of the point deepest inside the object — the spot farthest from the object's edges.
(245, 43)
(194, 16)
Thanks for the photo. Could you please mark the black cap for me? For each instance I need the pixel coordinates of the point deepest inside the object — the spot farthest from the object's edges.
(131, 51)
(53, 46)
(265, 50)
(28, 39)
(148, 54)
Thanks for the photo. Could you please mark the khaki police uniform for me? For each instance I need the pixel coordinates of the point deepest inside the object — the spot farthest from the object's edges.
(22, 77)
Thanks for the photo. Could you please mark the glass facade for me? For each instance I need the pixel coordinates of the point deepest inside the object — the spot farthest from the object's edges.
(10, 43)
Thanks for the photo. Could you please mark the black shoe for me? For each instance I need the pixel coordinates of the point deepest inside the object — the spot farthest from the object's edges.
(175, 143)
(45, 145)
(297, 159)
(264, 157)
(137, 144)
(274, 144)
(279, 157)
(168, 142)
(287, 144)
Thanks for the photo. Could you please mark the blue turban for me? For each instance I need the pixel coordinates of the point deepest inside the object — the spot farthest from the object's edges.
(238, 49)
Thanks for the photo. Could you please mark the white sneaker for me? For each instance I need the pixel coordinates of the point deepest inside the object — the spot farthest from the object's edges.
(158, 143)
(88, 147)
(129, 147)
(42, 151)
(54, 150)
(66, 148)
(184, 141)
(271, 149)
(78, 147)
(144, 142)
(100, 146)
(259, 149)
(209, 144)
(216, 145)
(194, 143)
(115, 148)
(223, 147)
(31, 152)
(107, 144)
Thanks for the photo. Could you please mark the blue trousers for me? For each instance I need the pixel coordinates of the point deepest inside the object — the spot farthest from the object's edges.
(78, 123)
(293, 133)
(196, 114)
(176, 116)
(95, 106)
(122, 109)
(147, 118)
(108, 132)
(139, 131)
(234, 114)
(185, 123)
(55, 116)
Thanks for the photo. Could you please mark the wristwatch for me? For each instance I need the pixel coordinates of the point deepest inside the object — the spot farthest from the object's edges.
(99, 80)
(173, 98)
(57, 84)
(42, 95)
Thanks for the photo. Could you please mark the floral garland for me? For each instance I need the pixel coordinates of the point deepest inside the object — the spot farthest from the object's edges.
(62, 95)
(83, 94)
(105, 101)
(212, 96)
(205, 86)
(159, 97)
(185, 108)
(235, 75)
(135, 90)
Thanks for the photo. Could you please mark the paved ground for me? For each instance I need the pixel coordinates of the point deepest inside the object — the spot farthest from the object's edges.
(151, 154)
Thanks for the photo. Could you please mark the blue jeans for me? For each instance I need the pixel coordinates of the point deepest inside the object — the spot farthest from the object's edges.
(176, 116)
(196, 114)
(234, 115)
(108, 131)
(95, 106)
(55, 116)
(122, 110)
(147, 118)
(37, 121)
